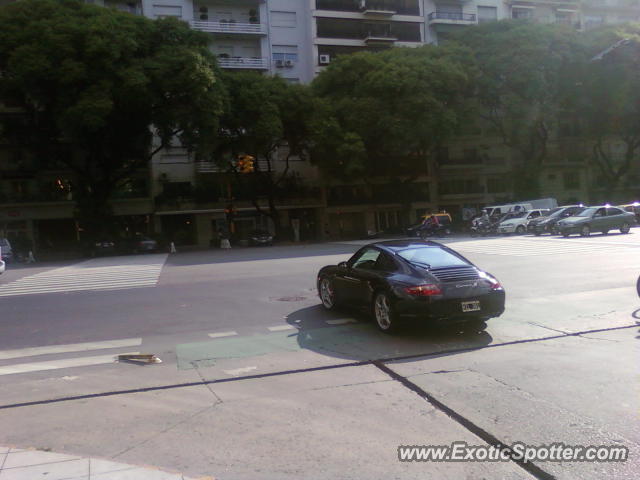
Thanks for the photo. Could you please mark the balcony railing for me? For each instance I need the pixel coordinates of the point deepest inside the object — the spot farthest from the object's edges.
(452, 17)
(229, 27)
(255, 63)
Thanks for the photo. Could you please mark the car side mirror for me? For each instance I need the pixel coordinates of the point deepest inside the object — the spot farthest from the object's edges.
(342, 264)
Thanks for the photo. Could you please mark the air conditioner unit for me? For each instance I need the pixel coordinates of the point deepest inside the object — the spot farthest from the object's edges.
(325, 59)
(288, 63)
(279, 63)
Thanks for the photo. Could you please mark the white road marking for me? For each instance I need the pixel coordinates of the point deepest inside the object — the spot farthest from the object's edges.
(279, 328)
(239, 371)
(58, 364)
(341, 321)
(69, 348)
(97, 274)
(223, 334)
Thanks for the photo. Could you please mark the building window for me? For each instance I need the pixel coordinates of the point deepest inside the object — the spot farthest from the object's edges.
(487, 14)
(163, 11)
(571, 181)
(522, 13)
(285, 52)
(283, 19)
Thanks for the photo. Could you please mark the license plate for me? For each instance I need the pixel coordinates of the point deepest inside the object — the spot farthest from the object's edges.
(473, 306)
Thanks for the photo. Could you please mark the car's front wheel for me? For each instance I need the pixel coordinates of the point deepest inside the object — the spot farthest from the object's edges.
(625, 228)
(383, 313)
(327, 293)
(521, 230)
(585, 231)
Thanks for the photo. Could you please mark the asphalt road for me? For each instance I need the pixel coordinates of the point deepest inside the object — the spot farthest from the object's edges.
(257, 381)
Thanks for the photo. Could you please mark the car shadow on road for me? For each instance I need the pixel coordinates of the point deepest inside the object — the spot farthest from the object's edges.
(328, 333)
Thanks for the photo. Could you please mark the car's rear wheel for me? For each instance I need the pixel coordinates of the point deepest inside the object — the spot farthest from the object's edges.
(605, 232)
(537, 233)
(520, 230)
(565, 234)
(327, 293)
(625, 228)
(585, 231)
(383, 313)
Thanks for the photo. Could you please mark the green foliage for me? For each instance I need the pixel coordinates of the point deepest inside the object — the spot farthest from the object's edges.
(524, 71)
(387, 112)
(264, 113)
(608, 100)
(96, 84)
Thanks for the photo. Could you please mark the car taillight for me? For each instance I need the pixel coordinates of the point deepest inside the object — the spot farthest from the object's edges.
(493, 282)
(424, 290)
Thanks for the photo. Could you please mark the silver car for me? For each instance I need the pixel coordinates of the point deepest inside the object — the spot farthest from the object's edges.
(597, 219)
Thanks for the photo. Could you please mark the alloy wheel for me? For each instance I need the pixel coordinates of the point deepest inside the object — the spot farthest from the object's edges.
(382, 312)
(327, 294)
(625, 228)
(586, 231)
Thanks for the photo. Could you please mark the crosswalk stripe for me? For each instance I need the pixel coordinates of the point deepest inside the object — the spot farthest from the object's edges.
(223, 334)
(69, 348)
(96, 274)
(58, 364)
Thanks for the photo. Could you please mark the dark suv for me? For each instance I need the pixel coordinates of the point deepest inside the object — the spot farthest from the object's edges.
(548, 223)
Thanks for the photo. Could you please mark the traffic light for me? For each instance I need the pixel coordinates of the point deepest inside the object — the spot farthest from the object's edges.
(245, 164)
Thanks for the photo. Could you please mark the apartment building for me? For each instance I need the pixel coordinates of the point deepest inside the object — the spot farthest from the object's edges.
(296, 39)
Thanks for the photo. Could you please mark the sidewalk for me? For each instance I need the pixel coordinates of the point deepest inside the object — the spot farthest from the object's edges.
(18, 464)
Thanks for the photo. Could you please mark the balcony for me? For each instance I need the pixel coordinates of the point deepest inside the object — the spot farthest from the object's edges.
(452, 18)
(251, 63)
(379, 8)
(377, 39)
(230, 27)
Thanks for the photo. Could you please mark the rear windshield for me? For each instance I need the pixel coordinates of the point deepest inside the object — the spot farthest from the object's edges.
(431, 256)
(4, 242)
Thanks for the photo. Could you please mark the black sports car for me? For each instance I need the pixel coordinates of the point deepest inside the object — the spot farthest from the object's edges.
(411, 279)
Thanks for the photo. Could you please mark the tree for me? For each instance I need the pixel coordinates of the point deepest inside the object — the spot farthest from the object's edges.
(524, 71)
(608, 103)
(265, 114)
(102, 91)
(387, 113)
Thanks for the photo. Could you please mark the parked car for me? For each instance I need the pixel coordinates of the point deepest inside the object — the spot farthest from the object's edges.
(104, 246)
(597, 219)
(411, 280)
(518, 223)
(424, 229)
(2, 266)
(6, 252)
(633, 208)
(548, 223)
(137, 244)
(261, 238)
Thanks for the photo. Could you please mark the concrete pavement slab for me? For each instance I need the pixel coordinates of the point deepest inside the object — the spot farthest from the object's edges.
(44, 465)
(569, 390)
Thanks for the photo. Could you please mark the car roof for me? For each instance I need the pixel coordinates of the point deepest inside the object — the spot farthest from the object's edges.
(397, 245)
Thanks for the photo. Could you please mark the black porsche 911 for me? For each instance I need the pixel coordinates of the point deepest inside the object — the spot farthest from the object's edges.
(411, 279)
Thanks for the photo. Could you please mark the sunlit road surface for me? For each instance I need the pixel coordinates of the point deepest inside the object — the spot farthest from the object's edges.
(257, 381)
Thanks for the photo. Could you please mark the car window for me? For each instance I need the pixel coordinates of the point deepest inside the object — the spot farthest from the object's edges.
(366, 259)
(4, 242)
(614, 211)
(601, 212)
(534, 214)
(431, 256)
(385, 263)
